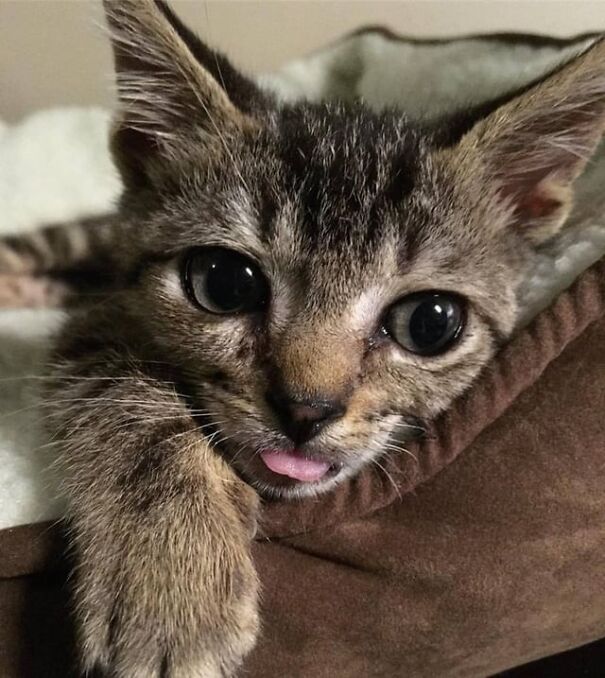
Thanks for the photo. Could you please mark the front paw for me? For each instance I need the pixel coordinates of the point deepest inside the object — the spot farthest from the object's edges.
(175, 602)
(151, 625)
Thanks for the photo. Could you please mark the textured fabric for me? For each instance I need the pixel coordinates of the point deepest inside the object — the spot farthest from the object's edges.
(488, 554)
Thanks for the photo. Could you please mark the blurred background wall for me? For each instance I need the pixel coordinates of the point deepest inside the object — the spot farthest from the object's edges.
(53, 52)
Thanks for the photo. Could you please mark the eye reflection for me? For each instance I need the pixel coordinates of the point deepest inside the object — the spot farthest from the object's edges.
(223, 281)
(426, 323)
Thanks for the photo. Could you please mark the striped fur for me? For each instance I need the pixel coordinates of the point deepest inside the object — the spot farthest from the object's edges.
(59, 265)
(86, 243)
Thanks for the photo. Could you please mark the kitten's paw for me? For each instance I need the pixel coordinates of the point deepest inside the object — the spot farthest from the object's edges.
(146, 635)
(175, 601)
(26, 291)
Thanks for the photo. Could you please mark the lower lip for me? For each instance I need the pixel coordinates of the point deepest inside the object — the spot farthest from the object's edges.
(295, 465)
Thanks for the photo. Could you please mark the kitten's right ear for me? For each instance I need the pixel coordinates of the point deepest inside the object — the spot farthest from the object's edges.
(533, 147)
(170, 101)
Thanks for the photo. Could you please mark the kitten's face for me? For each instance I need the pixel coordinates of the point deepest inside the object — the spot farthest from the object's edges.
(344, 221)
(323, 279)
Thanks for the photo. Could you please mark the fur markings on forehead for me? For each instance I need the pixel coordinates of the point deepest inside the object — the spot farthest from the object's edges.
(346, 166)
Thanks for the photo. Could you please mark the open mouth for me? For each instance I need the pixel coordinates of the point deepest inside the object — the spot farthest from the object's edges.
(276, 467)
(296, 465)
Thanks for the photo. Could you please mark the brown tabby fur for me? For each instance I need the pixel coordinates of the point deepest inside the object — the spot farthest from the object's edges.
(160, 408)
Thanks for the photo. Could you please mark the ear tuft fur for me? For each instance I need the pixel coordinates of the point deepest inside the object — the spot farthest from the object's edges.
(536, 145)
(168, 99)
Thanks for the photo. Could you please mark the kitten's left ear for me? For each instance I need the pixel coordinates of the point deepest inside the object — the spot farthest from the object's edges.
(175, 94)
(537, 144)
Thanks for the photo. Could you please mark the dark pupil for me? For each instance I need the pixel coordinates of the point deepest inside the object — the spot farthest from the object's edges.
(432, 323)
(232, 284)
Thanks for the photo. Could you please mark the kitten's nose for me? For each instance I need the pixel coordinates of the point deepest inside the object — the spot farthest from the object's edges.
(303, 418)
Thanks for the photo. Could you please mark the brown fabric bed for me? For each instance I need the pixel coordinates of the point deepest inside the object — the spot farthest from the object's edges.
(488, 551)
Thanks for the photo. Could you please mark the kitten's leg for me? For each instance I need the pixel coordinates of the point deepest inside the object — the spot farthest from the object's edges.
(57, 264)
(60, 247)
(161, 526)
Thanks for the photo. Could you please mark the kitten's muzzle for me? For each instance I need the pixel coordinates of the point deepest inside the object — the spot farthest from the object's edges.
(301, 419)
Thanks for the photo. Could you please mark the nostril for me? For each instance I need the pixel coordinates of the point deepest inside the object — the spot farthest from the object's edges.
(302, 419)
(312, 413)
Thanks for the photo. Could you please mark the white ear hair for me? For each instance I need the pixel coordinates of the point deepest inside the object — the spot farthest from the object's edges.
(536, 145)
(170, 103)
(161, 85)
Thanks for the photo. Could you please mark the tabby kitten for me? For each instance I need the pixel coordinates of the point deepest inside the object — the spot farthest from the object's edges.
(295, 287)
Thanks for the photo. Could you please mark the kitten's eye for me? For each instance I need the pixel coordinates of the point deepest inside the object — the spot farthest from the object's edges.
(223, 281)
(426, 323)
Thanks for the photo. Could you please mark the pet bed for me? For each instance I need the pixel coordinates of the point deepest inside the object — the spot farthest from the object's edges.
(481, 550)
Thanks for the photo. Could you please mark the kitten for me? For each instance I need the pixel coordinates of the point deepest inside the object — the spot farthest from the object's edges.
(294, 287)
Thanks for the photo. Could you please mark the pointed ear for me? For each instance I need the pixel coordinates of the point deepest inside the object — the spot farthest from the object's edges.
(169, 100)
(537, 144)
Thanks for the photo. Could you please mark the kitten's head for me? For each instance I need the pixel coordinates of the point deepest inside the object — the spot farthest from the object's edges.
(323, 278)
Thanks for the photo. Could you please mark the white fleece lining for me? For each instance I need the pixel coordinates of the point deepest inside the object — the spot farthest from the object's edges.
(55, 166)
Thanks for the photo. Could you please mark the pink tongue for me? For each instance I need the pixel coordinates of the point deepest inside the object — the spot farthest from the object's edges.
(294, 466)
